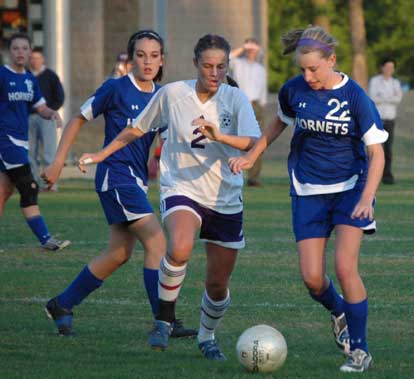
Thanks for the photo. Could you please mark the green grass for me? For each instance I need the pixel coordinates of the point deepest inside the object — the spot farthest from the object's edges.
(266, 288)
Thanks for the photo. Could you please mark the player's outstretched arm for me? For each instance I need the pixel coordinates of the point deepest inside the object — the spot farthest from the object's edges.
(209, 130)
(364, 206)
(52, 172)
(273, 131)
(128, 135)
(50, 114)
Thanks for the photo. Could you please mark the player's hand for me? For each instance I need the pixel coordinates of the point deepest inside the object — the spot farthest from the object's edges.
(51, 173)
(207, 129)
(363, 209)
(88, 159)
(238, 164)
(56, 117)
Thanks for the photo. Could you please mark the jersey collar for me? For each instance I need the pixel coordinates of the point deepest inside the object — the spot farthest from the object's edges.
(344, 80)
(131, 77)
(10, 69)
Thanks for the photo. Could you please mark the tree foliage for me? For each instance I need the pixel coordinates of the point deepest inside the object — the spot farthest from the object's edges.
(389, 28)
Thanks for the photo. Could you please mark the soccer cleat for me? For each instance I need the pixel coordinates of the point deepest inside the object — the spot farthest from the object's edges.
(358, 361)
(211, 350)
(54, 244)
(158, 338)
(340, 332)
(61, 316)
(179, 331)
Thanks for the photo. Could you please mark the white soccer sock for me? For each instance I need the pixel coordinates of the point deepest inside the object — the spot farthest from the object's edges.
(211, 314)
(170, 279)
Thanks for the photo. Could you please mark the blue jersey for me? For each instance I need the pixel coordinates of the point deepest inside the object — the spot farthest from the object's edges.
(121, 100)
(19, 92)
(332, 129)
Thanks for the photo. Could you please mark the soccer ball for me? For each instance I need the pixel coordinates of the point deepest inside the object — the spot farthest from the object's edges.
(261, 348)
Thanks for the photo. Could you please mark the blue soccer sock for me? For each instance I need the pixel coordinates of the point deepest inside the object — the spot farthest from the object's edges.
(151, 285)
(356, 318)
(38, 226)
(331, 300)
(81, 287)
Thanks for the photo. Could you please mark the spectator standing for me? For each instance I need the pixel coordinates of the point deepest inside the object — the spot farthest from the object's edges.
(251, 78)
(122, 66)
(42, 132)
(386, 93)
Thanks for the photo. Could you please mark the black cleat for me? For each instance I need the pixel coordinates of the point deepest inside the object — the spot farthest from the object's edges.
(61, 316)
(179, 331)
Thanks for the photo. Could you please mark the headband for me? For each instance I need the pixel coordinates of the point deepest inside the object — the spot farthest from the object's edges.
(313, 43)
(146, 33)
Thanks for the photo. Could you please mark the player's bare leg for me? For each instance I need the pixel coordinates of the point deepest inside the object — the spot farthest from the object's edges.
(312, 263)
(347, 246)
(6, 190)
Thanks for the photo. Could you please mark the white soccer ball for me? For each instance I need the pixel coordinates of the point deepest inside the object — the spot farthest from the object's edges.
(261, 348)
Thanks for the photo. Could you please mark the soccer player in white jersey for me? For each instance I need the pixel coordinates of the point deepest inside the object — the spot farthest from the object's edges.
(120, 181)
(333, 179)
(19, 93)
(208, 122)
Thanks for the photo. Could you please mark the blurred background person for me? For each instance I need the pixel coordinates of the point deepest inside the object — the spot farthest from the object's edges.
(386, 93)
(122, 66)
(251, 77)
(42, 132)
(19, 93)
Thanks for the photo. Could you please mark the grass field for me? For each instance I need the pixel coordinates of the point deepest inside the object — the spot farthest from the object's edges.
(112, 323)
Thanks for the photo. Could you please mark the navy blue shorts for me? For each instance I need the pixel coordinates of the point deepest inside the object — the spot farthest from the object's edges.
(13, 157)
(315, 216)
(219, 228)
(123, 204)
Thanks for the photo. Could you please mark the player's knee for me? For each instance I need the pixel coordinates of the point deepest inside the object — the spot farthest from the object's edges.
(314, 283)
(120, 257)
(180, 249)
(28, 190)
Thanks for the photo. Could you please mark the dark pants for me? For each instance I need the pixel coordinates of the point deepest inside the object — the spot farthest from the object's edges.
(389, 127)
(254, 173)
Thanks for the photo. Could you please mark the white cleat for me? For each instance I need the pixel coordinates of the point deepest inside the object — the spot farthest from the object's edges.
(358, 361)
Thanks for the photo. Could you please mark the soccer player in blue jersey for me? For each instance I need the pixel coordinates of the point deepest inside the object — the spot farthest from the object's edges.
(120, 181)
(19, 92)
(208, 122)
(333, 180)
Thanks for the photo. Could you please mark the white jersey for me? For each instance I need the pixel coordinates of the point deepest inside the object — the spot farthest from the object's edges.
(191, 165)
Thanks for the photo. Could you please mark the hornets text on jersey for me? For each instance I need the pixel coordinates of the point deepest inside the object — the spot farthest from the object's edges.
(332, 129)
(19, 92)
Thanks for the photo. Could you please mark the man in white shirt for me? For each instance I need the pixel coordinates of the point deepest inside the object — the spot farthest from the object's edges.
(386, 92)
(251, 77)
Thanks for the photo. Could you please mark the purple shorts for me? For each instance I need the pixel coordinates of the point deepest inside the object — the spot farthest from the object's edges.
(221, 229)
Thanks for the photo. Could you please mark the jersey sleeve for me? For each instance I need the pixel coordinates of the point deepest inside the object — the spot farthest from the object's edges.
(368, 120)
(285, 111)
(38, 98)
(99, 101)
(247, 124)
(154, 116)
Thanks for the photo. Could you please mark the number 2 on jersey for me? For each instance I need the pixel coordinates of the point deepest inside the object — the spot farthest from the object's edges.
(195, 143)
